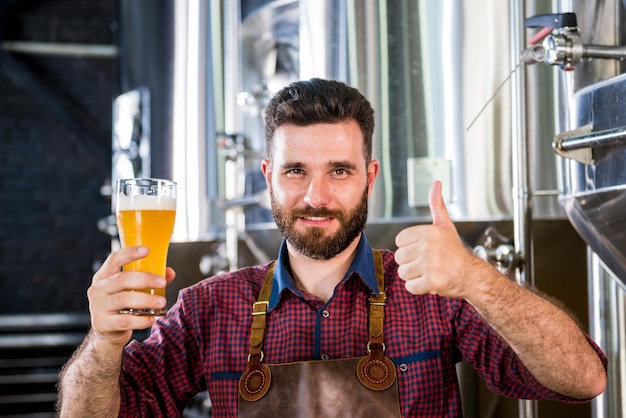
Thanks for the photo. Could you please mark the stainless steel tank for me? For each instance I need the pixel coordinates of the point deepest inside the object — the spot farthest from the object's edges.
(593, 195)
(591, 144)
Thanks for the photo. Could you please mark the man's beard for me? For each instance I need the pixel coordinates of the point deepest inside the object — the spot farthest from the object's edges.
(313, 243)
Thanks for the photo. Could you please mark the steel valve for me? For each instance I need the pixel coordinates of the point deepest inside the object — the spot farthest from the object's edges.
(559, 43)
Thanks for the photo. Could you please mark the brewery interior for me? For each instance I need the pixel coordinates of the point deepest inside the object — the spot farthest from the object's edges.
(516, 106)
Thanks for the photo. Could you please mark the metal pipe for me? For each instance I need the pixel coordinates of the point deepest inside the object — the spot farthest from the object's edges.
(607, 302)
(188, 117)
(597, 139)
(603, 51)
(522, 213)
(61, 49)
(521, 195)
(597, 291)
(232, 125)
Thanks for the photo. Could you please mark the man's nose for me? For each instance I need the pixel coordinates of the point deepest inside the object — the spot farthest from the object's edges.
(318, 192)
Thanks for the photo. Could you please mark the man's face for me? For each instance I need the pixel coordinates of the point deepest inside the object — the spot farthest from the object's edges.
(319, 183)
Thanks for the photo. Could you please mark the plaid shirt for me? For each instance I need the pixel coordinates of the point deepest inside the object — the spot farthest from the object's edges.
(203, 342)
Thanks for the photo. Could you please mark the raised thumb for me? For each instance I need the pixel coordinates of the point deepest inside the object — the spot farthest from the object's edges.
(438, 209)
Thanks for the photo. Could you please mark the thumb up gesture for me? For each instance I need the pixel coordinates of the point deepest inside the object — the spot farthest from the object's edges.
(432, 258)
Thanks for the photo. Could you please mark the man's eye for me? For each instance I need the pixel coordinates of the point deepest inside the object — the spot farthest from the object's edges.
(340, 171)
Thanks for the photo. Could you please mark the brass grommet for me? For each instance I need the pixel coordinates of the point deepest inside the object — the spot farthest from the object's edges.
(376, 374)
(254, 383)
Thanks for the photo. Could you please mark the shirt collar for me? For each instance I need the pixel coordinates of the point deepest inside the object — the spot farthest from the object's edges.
(363, 265)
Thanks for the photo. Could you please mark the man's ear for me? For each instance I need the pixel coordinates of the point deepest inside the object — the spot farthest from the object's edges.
(373, 168)
(266, 169)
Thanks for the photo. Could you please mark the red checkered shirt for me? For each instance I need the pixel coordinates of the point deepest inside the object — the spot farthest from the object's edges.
(202, 343)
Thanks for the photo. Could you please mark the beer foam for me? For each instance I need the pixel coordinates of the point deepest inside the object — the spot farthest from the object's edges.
(145, 202)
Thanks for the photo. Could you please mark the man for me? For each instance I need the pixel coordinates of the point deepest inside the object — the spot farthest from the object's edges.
(442, 304)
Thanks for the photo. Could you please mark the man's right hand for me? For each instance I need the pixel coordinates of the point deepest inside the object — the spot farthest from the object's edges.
(111, 291)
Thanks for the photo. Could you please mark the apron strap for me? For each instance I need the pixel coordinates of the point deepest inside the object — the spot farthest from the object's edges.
(377, 371)
(259, 313)
(255, 381)
(377, 302)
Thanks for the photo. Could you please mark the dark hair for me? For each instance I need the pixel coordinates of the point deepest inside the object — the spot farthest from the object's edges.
(314, 101)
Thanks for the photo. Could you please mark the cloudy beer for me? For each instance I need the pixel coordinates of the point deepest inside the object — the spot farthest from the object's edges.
(145, 212)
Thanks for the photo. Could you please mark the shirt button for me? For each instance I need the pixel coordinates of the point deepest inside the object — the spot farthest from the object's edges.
(325, 357)
(325, 313)
(404, 367)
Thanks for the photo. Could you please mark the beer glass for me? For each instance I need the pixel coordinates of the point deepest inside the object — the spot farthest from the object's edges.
(145, 210)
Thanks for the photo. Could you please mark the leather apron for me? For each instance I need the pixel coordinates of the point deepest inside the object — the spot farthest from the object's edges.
(358, 387)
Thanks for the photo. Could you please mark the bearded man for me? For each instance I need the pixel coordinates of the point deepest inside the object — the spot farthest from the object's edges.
(333, 327)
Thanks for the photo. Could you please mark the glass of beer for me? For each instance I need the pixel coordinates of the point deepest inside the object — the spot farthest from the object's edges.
(145, 210)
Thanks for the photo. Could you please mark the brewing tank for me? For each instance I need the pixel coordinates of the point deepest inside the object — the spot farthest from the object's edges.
(591, 144)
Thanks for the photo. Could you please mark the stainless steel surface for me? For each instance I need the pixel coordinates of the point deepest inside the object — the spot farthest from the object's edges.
(599, 23)
(522, 208)
(131, 136)
(323, 37)
(188, 155)
(163, 50)
(269, 44)
(607, 306)
(579, 144)
(593, 183)
(594, 196)
(561, 43)
(409, 73)
(522, 199)
(60, 49)
(606, 138)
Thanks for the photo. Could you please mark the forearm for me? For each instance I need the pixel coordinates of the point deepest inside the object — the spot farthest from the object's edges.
(546, 339)
(89, 382)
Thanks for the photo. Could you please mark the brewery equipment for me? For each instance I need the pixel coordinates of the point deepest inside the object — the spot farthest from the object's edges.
(587, 42)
